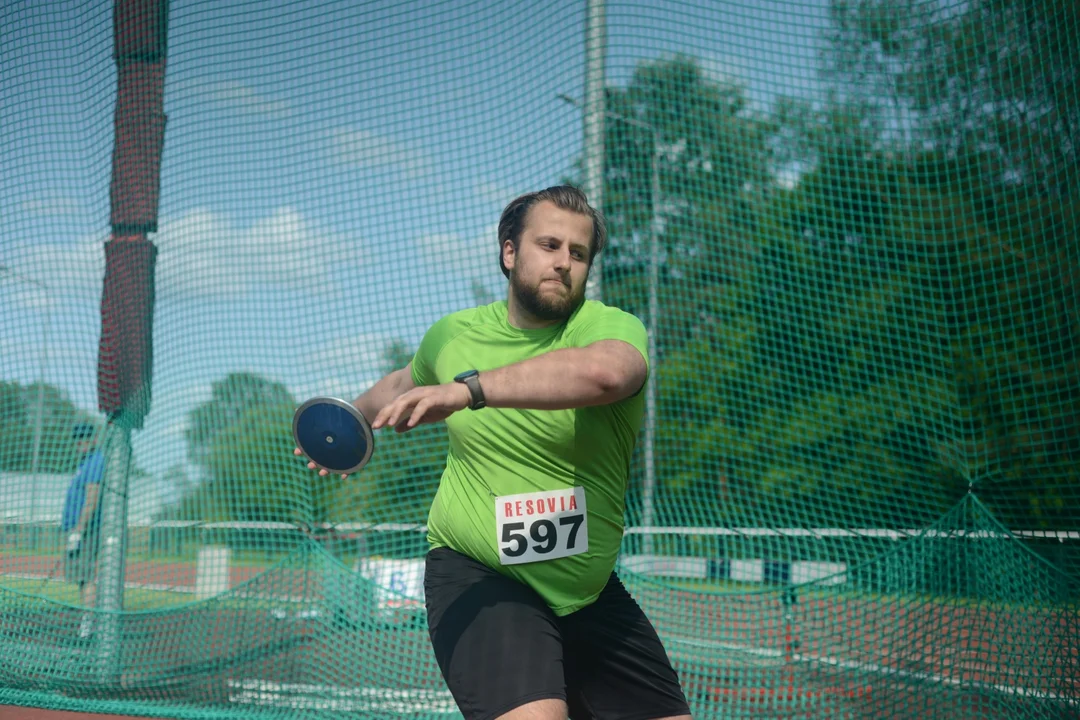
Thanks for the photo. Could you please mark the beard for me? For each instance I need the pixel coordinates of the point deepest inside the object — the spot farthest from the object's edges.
(545, 307)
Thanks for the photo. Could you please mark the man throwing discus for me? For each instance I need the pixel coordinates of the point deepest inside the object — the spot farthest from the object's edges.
(542, 395)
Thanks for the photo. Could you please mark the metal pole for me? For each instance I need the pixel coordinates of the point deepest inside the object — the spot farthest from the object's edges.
(595, 50)
(110, 587)
(654, 311)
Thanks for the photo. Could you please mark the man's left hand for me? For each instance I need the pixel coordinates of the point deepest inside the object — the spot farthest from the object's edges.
(425, 404)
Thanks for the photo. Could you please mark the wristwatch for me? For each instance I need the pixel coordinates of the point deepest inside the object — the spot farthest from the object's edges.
(471, 380)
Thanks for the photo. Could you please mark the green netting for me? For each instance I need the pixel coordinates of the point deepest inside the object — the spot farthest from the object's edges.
(850, 226)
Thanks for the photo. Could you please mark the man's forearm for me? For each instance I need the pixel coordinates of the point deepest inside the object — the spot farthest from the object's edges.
(563, 379)
(383, 392)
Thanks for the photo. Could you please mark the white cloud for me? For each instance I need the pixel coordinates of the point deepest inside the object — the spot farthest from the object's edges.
(462, 262)
(369, 150)
(723, 70)
(62, 268)
(201, 254)
(53, 207)
(346, 367)
(475, 257)
(232, 94)
(182, 397)
(787, 178)
(204, 254)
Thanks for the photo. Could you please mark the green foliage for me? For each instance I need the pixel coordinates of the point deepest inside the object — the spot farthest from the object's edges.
(861, 347)
(241, 439)
(395, 356)
(709, 169)
(995, 82)
(230, 398)
(245, 449)
(251, 472)
(256, 477)
(399, 483)
(19, 408)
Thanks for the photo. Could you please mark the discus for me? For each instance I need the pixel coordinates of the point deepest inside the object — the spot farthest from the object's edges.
(333, 434)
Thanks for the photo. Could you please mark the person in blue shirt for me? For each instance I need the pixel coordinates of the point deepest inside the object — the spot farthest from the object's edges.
(81, 519)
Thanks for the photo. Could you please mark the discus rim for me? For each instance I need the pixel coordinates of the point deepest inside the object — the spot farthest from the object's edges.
(365, 428)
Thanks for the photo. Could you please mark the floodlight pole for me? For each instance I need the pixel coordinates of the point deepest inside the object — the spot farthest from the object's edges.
(649, 488)
(593, 120)
(654, 311)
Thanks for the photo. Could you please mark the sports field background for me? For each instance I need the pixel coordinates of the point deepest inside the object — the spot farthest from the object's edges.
(850, 227)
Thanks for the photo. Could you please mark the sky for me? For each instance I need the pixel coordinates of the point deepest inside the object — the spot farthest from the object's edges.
(332, 174)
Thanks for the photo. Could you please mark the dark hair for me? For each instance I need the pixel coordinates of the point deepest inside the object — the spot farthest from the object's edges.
(565, 197)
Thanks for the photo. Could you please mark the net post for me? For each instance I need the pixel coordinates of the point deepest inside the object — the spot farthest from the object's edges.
(595, 49)
(110, 587)
(649, 488)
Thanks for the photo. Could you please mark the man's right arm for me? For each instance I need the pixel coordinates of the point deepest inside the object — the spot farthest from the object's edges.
(371, 401)
(384, 392)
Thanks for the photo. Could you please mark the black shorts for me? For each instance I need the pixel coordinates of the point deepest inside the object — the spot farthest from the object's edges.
(500, 646)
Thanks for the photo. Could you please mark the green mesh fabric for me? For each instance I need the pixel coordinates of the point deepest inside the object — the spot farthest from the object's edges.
(850, 226)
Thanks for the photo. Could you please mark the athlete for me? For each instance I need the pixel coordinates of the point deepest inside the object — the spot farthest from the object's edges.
(542, 397)
(82, 518)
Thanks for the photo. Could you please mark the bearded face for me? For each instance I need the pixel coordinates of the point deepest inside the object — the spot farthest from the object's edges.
(550, 266)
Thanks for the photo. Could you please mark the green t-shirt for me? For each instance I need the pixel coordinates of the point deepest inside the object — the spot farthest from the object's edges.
(560, 459)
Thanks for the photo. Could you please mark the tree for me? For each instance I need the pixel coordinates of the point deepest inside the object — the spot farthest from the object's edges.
(991, 85)
(399, 483)
(712, 166)
(836, 351)
(993, 199)
(395, 356)
(230, 398)
(243, 437)
(17, 438)
(256, 477)
(19, 406)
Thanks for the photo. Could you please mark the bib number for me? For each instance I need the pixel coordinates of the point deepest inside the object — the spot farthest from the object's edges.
(541, 525)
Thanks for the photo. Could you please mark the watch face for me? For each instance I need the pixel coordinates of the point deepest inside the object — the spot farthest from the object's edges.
(460, 377)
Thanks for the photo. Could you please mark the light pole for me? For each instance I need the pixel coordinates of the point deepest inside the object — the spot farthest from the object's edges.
(593, 120)
(34, 463)
(654, 311)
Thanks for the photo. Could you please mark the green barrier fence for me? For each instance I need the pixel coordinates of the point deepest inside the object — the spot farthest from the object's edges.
(850, 227)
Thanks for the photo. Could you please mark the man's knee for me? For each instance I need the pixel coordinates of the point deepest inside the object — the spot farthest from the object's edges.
(548, 709)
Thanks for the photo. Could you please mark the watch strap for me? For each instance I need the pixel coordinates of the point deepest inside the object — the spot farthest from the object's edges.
(472, 382)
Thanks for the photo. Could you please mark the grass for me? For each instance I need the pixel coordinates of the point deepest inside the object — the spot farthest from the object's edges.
(135, 599)
(68, 594)
(240, 558)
